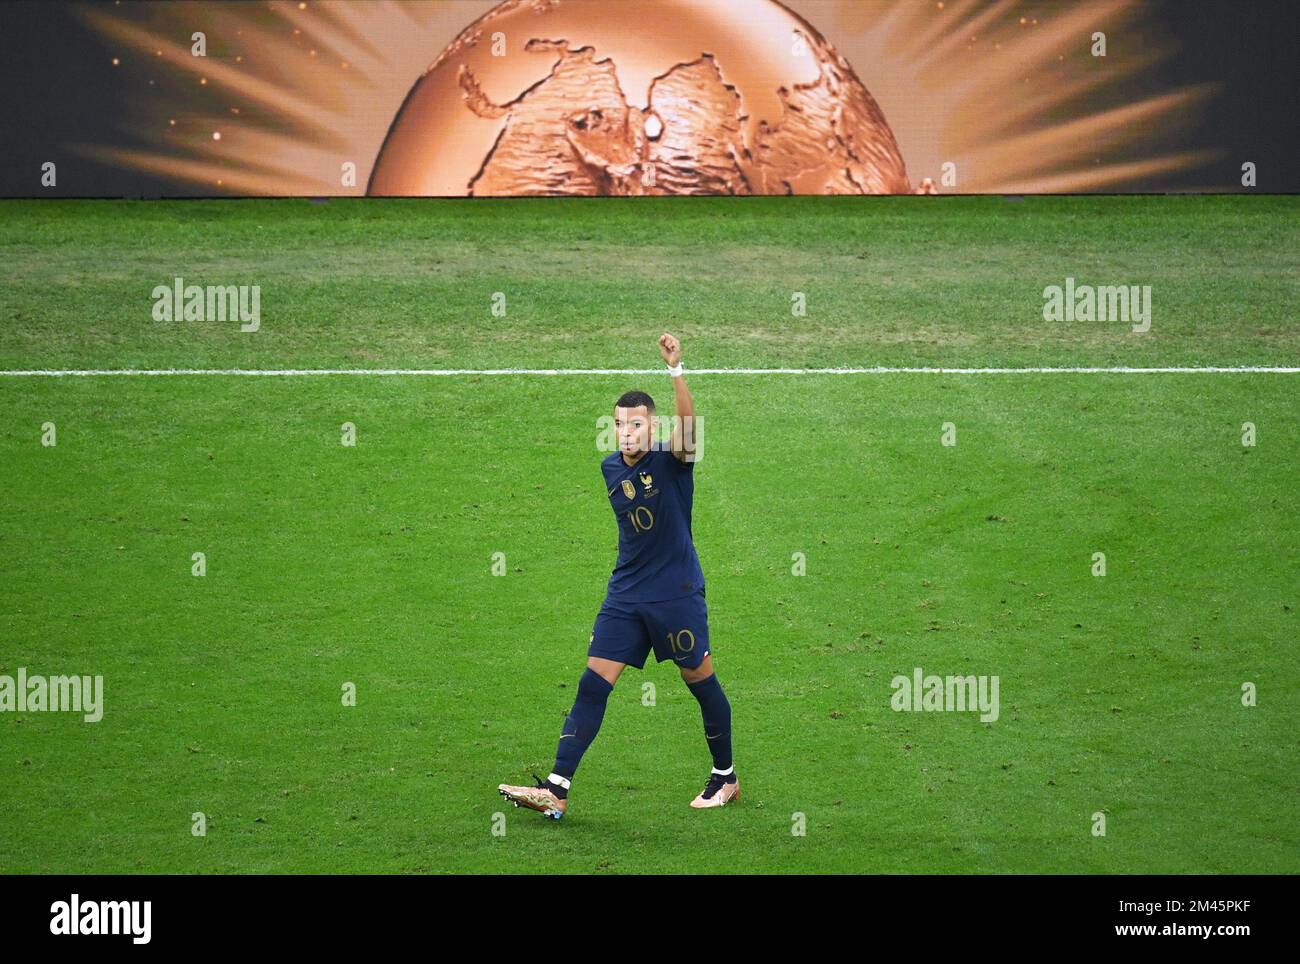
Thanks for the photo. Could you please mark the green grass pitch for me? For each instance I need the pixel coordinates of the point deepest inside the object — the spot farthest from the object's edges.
(372, 564)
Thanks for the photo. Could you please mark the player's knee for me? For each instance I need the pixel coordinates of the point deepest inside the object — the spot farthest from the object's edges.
(606, 669)
(696, 675)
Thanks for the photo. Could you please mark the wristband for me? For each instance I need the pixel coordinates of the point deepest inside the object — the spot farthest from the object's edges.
(676, 372)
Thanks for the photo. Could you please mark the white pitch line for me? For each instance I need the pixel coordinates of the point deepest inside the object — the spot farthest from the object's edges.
(453, 372)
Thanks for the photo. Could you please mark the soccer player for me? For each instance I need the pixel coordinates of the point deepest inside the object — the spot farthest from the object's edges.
(655, 598)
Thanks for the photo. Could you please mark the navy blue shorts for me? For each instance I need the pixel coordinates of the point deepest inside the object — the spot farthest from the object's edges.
(676, 629)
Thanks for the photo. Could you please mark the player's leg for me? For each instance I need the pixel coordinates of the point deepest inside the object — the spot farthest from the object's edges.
(583, 722)
(715, 711)
(551, 796)
(617, 640)
(680, 629)
(723, 786)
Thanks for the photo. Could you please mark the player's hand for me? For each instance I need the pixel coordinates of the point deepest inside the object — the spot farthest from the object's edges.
(671, 349)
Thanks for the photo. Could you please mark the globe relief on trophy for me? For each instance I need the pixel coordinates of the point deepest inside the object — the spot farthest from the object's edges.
(675, 97)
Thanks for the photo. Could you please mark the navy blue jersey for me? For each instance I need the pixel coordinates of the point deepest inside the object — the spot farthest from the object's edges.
(652, 504)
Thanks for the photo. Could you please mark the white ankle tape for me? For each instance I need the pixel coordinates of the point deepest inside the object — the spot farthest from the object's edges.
(559, 780)
(725, 773)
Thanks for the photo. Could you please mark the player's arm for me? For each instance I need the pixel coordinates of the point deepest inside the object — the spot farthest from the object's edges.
(683, 441)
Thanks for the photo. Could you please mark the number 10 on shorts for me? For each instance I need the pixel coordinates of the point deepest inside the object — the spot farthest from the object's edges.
(682, 641)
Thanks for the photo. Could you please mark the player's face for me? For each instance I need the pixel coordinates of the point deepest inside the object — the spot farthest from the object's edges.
(635, 429)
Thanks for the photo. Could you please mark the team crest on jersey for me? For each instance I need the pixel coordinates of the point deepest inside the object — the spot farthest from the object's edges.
(647, 479)
(629, 489)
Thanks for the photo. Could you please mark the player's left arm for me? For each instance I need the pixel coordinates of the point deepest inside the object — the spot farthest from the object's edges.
(683, 440)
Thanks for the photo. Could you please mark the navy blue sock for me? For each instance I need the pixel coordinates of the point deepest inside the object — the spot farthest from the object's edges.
(582, 723)
(717, 719)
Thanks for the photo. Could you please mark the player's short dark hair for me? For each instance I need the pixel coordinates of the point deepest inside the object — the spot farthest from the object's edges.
(635, 400)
